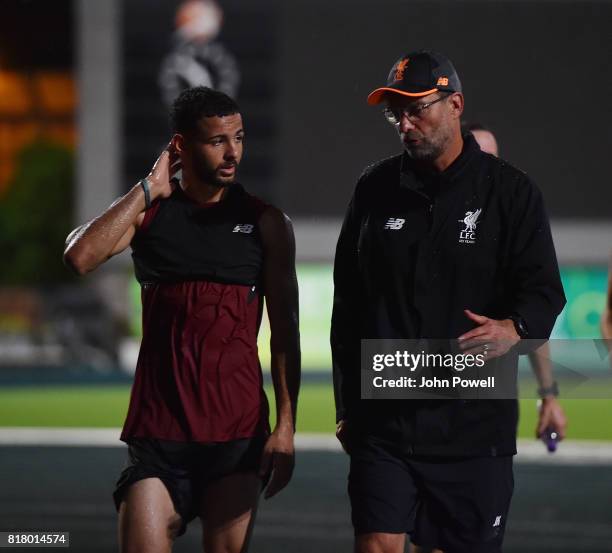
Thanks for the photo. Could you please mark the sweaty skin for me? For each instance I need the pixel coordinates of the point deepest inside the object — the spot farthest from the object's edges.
(209, 160)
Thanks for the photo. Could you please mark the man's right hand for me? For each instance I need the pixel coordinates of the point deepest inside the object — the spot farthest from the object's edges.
(164, 169)
(110, 233)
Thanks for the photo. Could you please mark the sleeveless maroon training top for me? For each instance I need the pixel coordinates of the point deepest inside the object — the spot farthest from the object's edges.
(198, 376)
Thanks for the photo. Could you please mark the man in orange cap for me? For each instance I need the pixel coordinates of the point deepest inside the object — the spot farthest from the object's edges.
(440, 242)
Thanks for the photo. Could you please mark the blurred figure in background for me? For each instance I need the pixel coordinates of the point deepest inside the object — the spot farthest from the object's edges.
(205, 253)
(606, 317)
(485, 138)
(551, 417)
(197, 58)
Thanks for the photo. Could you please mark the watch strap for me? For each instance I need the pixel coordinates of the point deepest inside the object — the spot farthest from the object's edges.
(552, 390)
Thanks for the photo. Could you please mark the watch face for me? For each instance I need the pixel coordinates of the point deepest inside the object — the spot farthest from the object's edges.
(520, 327)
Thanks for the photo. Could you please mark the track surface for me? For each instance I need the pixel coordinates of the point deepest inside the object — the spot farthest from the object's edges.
(555, 507)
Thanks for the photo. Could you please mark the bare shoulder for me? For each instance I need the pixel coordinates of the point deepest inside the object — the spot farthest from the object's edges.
(274, 224)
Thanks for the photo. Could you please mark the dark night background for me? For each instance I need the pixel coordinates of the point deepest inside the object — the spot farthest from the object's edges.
(537, 73)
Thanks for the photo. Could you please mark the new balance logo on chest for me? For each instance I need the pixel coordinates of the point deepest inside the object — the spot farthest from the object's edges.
(244, 229)
(394, 224)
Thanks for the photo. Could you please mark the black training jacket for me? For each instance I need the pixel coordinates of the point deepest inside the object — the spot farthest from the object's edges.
(406, 267)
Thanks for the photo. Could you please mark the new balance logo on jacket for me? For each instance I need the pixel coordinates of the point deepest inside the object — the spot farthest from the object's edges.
(245, 229)
(394, 224)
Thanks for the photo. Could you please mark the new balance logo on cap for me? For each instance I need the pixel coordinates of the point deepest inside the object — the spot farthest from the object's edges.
(245, 229)
(394, 224)
(497, 521)
(418, 74)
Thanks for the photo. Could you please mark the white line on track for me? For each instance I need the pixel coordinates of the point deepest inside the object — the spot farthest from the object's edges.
(570, 452)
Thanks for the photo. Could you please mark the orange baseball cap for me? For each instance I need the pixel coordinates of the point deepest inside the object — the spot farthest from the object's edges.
(418, 74)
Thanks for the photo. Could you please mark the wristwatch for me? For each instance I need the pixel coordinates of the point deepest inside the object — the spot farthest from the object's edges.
(552, 390)
(519, 326)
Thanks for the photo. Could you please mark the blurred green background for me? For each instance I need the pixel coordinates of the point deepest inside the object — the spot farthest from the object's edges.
(106, 405)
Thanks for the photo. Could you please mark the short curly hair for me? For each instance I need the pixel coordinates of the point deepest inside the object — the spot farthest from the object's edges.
(199, 101)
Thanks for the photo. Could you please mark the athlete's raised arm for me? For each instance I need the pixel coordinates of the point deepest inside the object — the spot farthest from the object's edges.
(281, 292)
(111, 232)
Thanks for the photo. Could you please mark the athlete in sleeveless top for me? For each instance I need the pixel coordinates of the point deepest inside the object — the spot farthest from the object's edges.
(206, 254)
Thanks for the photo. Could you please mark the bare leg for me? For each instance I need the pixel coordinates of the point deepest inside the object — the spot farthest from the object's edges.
(147, 520)
(228, 513)
(379, 542)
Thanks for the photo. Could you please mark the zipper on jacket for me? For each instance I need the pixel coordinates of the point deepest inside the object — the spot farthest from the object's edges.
(430, 216)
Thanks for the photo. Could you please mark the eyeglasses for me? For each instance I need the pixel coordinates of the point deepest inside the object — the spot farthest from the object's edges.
(412, 112)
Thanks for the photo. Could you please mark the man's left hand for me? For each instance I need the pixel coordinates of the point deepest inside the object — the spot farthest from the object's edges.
(278, 457)
(491, 337)
(551, 416)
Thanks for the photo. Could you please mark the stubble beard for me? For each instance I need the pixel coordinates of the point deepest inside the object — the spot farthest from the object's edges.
(430, 148)
(210, 176)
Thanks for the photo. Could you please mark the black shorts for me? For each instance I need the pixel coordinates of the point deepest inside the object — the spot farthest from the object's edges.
(186, 468)
(457, 504)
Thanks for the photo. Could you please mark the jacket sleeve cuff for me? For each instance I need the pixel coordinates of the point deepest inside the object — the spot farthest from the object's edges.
(534, 337)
